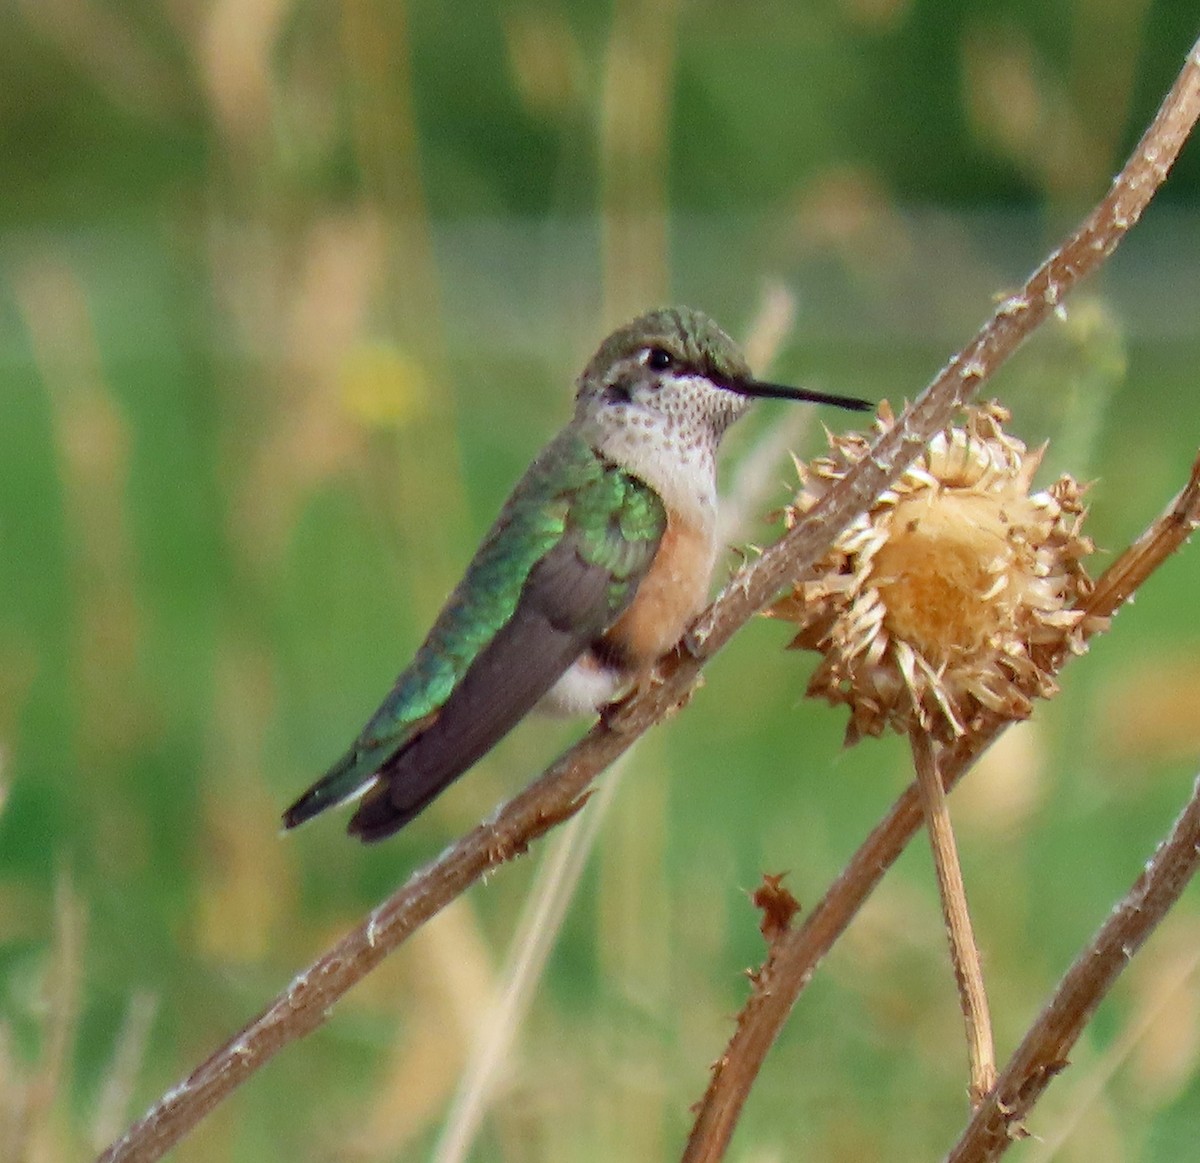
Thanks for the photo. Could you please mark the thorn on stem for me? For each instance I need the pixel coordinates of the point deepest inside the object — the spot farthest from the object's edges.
(776, 904)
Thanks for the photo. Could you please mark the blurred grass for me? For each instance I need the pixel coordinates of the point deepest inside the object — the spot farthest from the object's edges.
(289, 295)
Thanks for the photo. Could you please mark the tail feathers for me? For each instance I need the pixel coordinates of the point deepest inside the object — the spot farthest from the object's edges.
(391, 806)
(352, 776)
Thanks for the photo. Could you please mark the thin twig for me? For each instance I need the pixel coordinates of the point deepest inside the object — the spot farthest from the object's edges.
(964, 952)
(794, 957)
(1043, 1051)
(1163, 537)
(560, 791)
(1145, 555)
(125, 1064)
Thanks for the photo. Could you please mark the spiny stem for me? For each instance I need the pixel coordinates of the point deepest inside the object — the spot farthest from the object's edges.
(964, 952)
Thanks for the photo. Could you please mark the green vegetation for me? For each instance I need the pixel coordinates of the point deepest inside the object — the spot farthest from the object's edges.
(290, 294)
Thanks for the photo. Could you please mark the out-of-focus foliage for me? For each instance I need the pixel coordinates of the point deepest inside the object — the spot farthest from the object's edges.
(289, 293)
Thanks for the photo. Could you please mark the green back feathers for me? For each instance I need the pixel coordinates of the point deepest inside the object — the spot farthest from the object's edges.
(616, 522)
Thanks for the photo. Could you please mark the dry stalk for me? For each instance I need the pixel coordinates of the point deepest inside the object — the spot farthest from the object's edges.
(964, 952)
(562, 788)
(535, 938)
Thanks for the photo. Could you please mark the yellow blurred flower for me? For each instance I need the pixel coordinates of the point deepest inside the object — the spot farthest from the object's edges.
(952, 593)
(384, 387)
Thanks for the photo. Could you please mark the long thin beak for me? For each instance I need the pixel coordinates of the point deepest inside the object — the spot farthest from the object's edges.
(759, 390)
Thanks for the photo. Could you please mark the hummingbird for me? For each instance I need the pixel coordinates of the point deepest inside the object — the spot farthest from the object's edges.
(597, 564)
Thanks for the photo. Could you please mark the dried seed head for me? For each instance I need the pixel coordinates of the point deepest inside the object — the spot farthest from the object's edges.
(951, 594)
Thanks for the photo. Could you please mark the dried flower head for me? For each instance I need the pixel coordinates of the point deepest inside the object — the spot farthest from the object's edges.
(952, 594)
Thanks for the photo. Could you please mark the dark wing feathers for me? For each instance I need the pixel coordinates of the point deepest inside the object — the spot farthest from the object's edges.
(563, 608)
(559, 566)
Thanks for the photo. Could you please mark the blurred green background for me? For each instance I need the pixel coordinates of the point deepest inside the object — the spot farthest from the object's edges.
(289, 295)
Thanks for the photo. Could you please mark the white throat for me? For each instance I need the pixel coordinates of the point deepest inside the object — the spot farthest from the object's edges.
(680, 470)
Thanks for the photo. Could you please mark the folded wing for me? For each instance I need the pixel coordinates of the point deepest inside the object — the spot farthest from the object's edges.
(559, 567)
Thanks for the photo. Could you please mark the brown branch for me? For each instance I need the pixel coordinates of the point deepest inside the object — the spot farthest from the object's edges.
(1043, 1051)
(559, 792)
(794, 957)
(964, 952)
(1121, 580)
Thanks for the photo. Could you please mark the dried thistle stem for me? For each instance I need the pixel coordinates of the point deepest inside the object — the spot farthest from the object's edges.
(964, 952)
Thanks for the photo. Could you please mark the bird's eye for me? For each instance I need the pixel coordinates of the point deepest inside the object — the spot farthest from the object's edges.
(658, 359)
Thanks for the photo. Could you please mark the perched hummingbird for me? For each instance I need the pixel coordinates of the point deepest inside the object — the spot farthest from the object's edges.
(596, 565)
